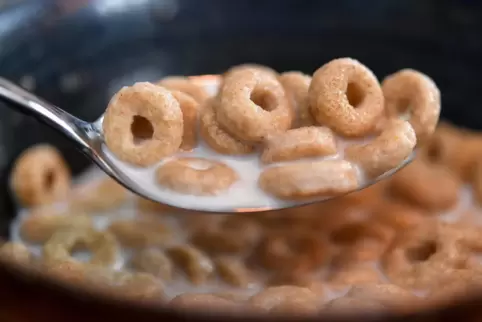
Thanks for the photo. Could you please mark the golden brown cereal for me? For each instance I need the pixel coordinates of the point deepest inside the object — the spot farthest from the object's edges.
(153, 261)
(286, 299)
(196, 176)
(16, 252)
(342, 277)
(415, 183)
(102, 245)
(195, 263)
(190, 110)
(411, 92)
(253, 105)
(250, 66)
(38, 228)
(477, 181)
(40, 176)
(346, 96)
(350, 305)
(135, 286)
(218, 139)
(459, 284)
(309, 179)
(140, 233)
(387, 151)
(398, 215)
(204, 302)
(299, 143)
(296, 85)
(103, 196)
(388, 295)
(143, 124)
(234, 272)
(148, 207)
(185, 85)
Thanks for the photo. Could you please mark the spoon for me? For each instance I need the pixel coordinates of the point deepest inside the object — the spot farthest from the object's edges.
(90, 140)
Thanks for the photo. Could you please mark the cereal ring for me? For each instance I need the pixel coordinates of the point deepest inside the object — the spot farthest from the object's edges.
(234, 272)
(135, 286)
(309, 179)
(196, 176)
(388, 295)
(143, 124)
(16, 252)
(286, 299)
(253, 105)
(249, 66)
(190, 109)
(296, 85)
(415, 183)
(218, 139)
(140, 233)
(185, 85)
(297, 278)
(154, 262)
(194, 262)
(387, 151)
(398, 215)
(38, 228)
(347, 304)
(40, 176)
(203, 302)
(411, 92)
(346, 96)
(477, 182)
(344, 277)
(459, 284)
(299, 143)
(102, 245)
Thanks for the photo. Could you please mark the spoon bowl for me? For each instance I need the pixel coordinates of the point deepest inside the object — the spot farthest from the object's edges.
(89, 139)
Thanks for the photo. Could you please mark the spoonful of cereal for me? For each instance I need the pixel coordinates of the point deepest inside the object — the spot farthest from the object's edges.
(252, 139)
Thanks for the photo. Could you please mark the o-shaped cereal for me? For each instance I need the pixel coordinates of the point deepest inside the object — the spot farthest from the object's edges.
(386, 151)
(153, 261)
(143, 123)
(253, 105)
(204, 302)
(185, 85)
(218, 139)
(16, 252)
(286, 299)
(190, 109)
(140, 233)
(296, 85)
(309, 179)
(305, 142)
(196, 176)
(346, 96)
(195, 263)
(409, 91)
(40, 176)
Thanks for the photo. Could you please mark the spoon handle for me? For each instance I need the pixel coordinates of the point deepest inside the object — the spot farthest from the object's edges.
(27, 103)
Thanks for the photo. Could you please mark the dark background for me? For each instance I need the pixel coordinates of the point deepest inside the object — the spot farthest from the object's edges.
(78, 53)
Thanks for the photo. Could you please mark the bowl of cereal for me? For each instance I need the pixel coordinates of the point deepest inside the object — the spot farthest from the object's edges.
(78, 245)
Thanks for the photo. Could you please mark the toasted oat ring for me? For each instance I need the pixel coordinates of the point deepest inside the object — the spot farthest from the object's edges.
(102, 245)
(218, 139)
(309, 179)
(296, 85)
(346, 96)
(140, 233)
(253, 105)
(16, 252)
(190, 110)
(305, 142)
(143, 123)
(286, 299)
(40, 176)
(234, 272)
(411, 91)
(386, 151)
(185, 85)
(153, 261)
(196, 176)
(204, 302)
(197, 265)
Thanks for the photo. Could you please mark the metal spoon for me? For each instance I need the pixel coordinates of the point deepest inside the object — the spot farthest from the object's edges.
(89, 139)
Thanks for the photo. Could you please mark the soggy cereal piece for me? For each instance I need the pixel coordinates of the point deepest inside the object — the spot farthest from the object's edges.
(153, 261)
(352, 305)
(299, 143)
(40, 176)
(190, 110)
(388, 295)
(398, 215)
(253, 105)
(195, 263)
(102, 246)
(16, 252)
(196, 176)
(309, 179)
(387, 151)
(218, 139)
(135, 286)
(204, 302)
(298, 277)
(457, 285)
(346, 96)
(296, 85)
(415, 183)
(414, 96)
(234, 272)
(140, 233)
(286, 299)
(103, 196)
(346, 276)
(143, 124)
(38, 228)
(186, 86)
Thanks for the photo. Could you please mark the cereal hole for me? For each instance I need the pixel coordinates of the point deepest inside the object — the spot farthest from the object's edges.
(141, 129)
(422, 252)
(404, 109)
(49, 179)
(354, 94)
(348, 234)
(434, 151)
(263, 99)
